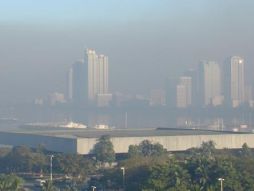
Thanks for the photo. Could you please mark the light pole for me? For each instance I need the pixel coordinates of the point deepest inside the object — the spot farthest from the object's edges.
(123, 170)
(51, 158)
(221, 183)
(93, 188)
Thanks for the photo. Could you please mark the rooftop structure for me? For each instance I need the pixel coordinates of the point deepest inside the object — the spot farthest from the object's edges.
(81, 141)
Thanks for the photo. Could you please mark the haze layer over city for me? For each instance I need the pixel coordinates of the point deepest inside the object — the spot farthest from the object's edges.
(146, 41)
(160, 55)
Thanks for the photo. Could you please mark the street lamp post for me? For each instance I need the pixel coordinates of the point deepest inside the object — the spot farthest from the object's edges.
(51, 158)
(221, 183)
(93, 188)
(123, 171)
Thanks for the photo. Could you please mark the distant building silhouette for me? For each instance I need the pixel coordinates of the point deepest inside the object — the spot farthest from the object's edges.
(210, 83)
(77, 91)
(234, 83)
(195, 96)
(170, 87)
(184, 92)
(88, 80)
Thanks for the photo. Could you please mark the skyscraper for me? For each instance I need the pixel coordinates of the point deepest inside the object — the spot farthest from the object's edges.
(184, 92)
(69, 84)
(103, 74)
(97, 74)
(170, 87)
(195, 98)
(78, 83)
(88, 80)
(210, 83)
(234, 81)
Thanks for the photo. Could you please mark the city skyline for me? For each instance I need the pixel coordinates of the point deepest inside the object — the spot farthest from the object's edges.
(123, 88)
(209, 84)
(146, 41)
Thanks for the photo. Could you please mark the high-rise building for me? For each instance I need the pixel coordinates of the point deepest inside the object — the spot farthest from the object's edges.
(195, 97)
(77, 91)
(91, 62)
(181, 96)
(157, 97)
(210, 83)
(170, 90)
(69, 85)
(97, 74)
(184, 92)
(103, 74)
(234, 87)
(248, 94)
(88, 79)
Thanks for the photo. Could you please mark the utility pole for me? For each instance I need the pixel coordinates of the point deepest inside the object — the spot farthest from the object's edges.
(51, 158)
(123, 170)
(221, 183)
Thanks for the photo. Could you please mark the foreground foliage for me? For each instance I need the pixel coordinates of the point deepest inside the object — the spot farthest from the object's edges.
(148, 167)
(10, 183)
(197, 169)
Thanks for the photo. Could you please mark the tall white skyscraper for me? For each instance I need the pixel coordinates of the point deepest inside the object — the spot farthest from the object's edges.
(210, 83)
(88, 80)
(97, 74)
(234, 85)
(103, 74)
(237, 81)
(184, 92)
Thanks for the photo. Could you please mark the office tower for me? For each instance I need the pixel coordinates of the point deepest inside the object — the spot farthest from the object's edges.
(69, 85)
(248, 93)
(97, 67)
(195, 97)
(184, 92)
(91, 62)
(170, 87)
(181, 96)
(77, 83)
(103, 74)
(157, 97)
(210, 83)
(88, 80)
(234, 81)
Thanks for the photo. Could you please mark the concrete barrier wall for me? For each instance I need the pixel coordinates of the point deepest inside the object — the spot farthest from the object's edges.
(172, 143)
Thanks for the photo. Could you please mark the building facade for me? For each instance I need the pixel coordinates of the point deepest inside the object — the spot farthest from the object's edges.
(184, 92)
(210, 83)
(78, 83)
(88, 78)
(234, 83)
(97, 74)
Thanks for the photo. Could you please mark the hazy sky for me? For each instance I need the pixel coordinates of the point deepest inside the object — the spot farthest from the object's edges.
(146, 40)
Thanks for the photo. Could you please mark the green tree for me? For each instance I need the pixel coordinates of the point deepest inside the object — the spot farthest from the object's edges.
(170, 176)
(146, 148)
(149, 149)
(23, 159)
(133, 151)
(48, 186)
(10, 183)
(74, 165)
(208, 149)
(104, 150)
(246, 151)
